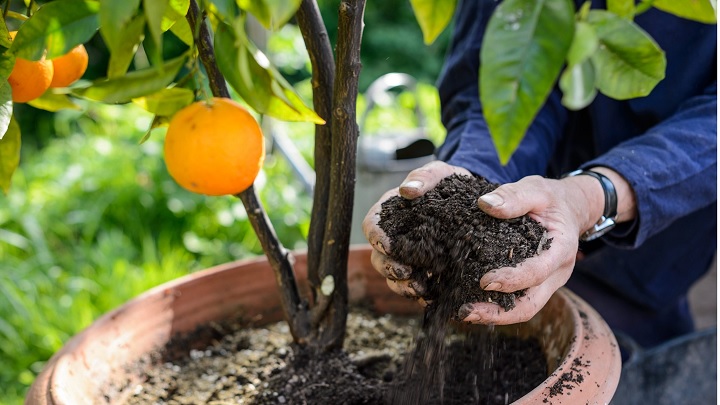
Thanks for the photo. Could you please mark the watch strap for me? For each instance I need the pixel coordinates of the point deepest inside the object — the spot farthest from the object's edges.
(607, 221)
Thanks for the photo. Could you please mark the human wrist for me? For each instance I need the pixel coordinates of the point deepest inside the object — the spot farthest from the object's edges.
(626, 203)
(587, 199)
(606, 221)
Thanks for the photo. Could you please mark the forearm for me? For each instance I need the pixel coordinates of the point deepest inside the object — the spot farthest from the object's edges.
(672, 169)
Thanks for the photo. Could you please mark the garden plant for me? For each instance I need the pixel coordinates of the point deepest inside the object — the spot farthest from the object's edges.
(214, 145)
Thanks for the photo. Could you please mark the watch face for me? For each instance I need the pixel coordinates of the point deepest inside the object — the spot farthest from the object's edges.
(598, 230)
(591, 235)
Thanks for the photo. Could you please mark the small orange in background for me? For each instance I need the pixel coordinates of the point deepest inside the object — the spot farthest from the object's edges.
(29, 79)
(214, 147)
(69, 67)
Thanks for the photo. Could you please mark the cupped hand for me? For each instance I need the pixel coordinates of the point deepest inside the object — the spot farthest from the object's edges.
(565, 208)
(417, 183)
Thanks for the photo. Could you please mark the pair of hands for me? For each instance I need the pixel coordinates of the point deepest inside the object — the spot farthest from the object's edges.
(553, 203)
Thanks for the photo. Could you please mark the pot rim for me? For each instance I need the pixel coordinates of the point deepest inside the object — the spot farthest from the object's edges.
(594, 344)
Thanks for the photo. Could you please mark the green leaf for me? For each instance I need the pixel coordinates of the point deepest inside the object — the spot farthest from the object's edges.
(628, 63)
(121, 56)
(9, 154)
(154, 12)
(433, 16)
(697, 10)
(157, 122)
(522, 54)
(135, 84)
(115, 16)
(248, 71)
(623, 8)
(54, 102)
(578, 80)
(6, 107)
(583, 11)
(7, 62)
(4, 36)
(578, 85)
(225, 8)
(272, 14)
(152, 50)
(175, 11)
(584, 43)
(32, 5)
(123, 29)
(166, 102)
(181, 29)
(56, 28)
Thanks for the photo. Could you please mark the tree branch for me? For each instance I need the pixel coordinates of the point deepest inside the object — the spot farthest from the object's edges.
(318, 46)
(336, 242)
(294, 308)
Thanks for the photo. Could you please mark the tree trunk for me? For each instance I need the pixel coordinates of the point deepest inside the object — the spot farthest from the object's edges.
(336, 241)
(322, 61)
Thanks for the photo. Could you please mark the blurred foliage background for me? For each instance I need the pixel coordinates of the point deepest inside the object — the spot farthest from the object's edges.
(93, 218)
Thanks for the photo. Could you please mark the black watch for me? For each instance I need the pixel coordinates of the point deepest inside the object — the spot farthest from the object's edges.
(607, 220)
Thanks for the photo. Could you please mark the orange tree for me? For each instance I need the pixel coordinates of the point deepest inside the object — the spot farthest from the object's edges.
(529, 46)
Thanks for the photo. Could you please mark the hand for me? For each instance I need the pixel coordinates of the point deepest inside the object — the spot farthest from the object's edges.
(417, 183)
(565, 208)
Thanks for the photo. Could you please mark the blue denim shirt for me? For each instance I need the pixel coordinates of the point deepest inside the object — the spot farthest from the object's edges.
(664, 144)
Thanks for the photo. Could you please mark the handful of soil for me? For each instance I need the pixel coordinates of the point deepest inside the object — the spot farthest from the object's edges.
(450, 243)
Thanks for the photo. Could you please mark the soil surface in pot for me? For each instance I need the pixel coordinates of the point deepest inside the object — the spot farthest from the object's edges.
(450, 243)
(231, 364)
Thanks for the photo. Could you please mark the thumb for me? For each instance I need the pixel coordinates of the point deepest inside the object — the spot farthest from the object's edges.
(424, 179)
(513, 200)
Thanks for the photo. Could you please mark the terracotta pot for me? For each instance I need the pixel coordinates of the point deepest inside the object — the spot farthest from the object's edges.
(574, 337)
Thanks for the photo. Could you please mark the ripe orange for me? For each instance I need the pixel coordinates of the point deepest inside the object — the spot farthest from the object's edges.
(29, 79)
(214, 147)
(69, 67)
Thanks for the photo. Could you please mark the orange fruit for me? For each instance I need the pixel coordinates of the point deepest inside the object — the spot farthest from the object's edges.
(214, 147)
(69, 67)
(29, 79)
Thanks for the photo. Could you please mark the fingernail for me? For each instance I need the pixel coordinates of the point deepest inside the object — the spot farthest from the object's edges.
(400, 272)
(465, 313)
(412, 184)
(492, 200)
(381, 248)
(492, 286)
(418, 287)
